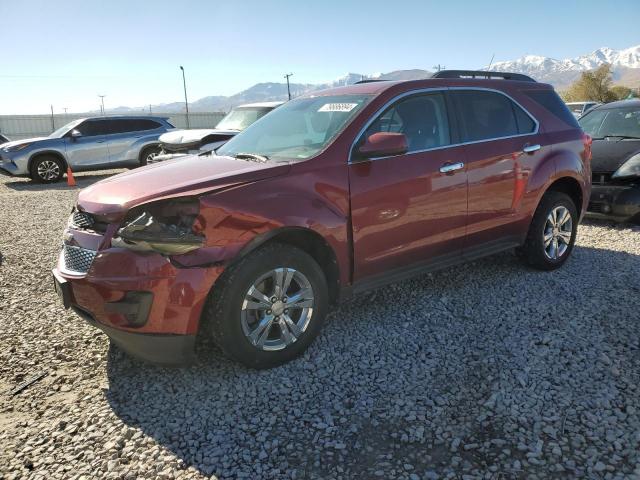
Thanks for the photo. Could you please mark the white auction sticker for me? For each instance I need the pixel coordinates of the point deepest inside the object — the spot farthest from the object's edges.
(337, 107)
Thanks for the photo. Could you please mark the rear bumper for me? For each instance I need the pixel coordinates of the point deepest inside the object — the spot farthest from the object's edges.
(154, 348)
(615, 202)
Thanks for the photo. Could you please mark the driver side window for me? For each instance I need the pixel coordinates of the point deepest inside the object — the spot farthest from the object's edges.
(92, 128)
(421, 118)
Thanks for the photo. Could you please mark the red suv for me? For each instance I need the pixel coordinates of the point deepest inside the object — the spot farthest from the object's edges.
(331, 194)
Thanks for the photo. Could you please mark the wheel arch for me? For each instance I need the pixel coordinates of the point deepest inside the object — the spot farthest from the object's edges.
(571, 187)
(308, 241)
(145, 147)
(43, 153)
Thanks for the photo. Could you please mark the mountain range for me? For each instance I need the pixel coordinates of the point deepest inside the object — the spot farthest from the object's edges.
(560, 73)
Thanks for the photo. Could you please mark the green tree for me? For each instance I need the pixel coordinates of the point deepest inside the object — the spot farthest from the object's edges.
(620, 92)
(594, 85)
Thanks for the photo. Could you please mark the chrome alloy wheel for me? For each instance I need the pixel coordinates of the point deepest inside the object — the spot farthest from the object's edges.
(151, 156)
(48, 170)
(277, 309)
(557, 232)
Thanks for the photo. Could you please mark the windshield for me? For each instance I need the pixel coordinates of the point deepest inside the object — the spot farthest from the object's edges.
(241, 118)
(615, 122)
(299, 129)
(59, 133)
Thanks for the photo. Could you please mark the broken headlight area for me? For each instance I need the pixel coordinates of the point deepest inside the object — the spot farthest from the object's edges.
(169, 227)
(629, 169)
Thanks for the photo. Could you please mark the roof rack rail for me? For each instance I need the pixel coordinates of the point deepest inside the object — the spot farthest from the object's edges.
(482, 74)
(371, 80)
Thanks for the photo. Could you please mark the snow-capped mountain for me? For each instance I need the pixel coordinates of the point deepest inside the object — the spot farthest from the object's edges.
(562, 72)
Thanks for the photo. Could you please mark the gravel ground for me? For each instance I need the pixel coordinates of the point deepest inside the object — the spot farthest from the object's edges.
(488, 370)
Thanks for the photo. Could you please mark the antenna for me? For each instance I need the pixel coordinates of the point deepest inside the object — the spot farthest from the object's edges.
(491, 62)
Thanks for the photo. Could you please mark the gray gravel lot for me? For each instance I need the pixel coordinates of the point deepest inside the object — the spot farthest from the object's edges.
(488, 370)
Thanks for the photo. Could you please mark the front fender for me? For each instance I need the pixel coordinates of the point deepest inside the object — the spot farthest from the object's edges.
(240, 219)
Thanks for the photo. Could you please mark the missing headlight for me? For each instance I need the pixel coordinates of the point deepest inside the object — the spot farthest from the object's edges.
(165, 227)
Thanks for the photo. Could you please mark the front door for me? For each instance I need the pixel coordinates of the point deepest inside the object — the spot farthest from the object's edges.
(404, 210)
(90, 149)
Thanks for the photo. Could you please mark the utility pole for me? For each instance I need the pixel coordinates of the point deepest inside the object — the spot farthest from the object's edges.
(102, 102)
(150, 109)
(65, 111)
(439, 67)
(186, 102)
(53, 124)
(288, 88)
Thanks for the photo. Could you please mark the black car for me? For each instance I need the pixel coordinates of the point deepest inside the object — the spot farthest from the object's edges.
(615, 129)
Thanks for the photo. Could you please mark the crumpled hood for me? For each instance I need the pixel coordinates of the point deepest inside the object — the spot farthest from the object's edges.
(192, 175)
(24, 140)
(609, 155)
(186, 137)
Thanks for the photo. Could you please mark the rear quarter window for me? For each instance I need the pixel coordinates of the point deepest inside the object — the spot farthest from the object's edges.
(552, 102)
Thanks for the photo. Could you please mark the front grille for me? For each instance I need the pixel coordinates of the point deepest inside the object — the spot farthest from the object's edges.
(82, 220)
(86, 221)
(600, 178)
(77, 259)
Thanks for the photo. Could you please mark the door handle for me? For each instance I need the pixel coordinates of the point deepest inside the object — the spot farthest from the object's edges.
(531, 148)
(449, 168)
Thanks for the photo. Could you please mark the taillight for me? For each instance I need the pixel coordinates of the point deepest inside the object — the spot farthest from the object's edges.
(587, 141)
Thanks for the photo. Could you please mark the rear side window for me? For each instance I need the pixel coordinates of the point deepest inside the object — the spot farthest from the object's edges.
(550, 100)
(125, 125)
(421, 118)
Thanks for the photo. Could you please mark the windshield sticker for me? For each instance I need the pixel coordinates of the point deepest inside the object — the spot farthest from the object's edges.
(337, 107)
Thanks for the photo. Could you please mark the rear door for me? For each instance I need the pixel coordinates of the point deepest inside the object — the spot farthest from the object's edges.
(405, 211)
(123, 135)
(90, 149)
(496, 131)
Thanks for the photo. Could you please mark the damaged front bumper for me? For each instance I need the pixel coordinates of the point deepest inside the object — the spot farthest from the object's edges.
(147, 305)
(615, 202)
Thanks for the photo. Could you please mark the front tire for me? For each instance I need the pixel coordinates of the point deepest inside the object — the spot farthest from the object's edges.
(46, 169)
(552, 233)
(268, 308)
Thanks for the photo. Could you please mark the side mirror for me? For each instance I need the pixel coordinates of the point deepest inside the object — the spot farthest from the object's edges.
(384, 144)
(75, 134)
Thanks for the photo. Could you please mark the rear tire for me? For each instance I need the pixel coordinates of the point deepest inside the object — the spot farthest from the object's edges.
(552, 232)
(247, 314)
(46, 169)
(148, 153)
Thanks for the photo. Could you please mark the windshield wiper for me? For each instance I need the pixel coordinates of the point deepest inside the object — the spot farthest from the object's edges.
(252, 157)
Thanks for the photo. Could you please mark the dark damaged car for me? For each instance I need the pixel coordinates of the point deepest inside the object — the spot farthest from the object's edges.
(615, 129)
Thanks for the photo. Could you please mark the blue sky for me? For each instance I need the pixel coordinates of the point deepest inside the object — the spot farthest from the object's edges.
(67, 52)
